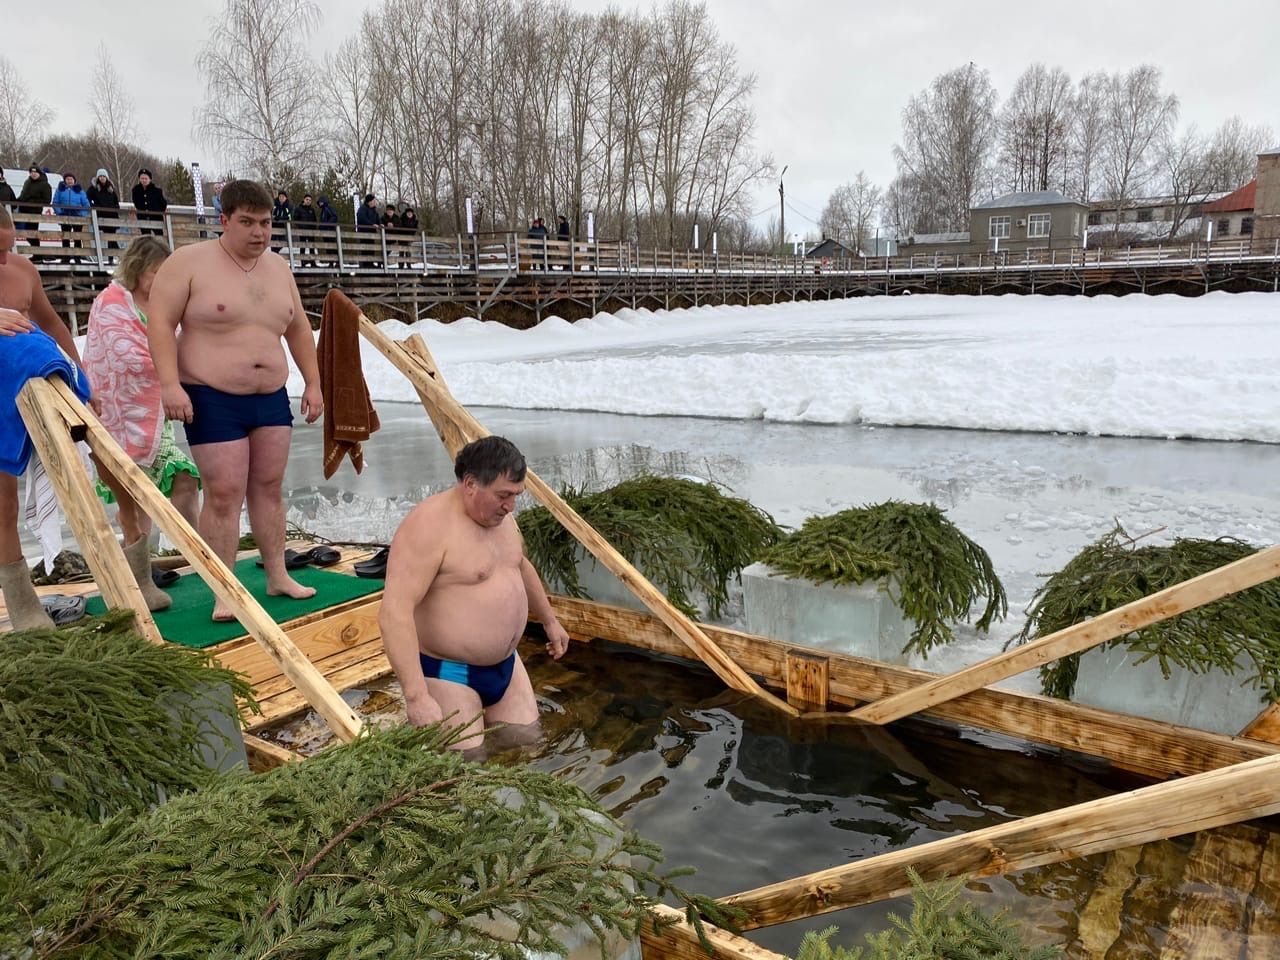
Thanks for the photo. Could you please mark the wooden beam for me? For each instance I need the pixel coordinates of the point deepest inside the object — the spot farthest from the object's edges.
(1196, 592)
(48, 425)
(421, 371)
(303, 674)
(1147, 747)
(1265, 726)
(1241, 792)
(679, 941)
(264, 755)
(808, 682)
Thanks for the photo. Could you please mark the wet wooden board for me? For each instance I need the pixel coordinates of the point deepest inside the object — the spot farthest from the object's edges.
(1210, 919)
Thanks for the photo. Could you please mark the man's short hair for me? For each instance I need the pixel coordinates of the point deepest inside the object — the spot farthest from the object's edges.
(489, 458)
(245, 195)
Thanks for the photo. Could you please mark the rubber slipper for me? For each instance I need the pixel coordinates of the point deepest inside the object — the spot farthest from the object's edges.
(62, 608)
(164, 578)
(375, 568)
(324, 556)
(293, 560)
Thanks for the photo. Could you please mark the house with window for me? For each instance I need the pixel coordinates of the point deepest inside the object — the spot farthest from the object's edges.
(1232, 216)
(1033, 220)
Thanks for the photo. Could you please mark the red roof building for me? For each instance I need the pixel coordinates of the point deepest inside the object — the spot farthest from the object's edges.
(1231, 216)
(1236, 201)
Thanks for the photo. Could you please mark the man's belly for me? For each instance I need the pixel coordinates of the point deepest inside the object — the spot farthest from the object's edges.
(248, 361)
(477, 623)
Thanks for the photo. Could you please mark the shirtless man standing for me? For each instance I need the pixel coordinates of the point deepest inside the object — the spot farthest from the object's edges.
(458, 594)
(22, 299)
(225, 376)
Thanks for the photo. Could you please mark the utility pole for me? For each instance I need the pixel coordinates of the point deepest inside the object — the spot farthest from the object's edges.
(782, 209)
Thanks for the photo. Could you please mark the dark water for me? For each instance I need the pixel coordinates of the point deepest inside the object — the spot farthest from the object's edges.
(729, 787)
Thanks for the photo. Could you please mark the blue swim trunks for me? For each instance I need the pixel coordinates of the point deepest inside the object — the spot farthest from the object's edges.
(217, 417)
(490, 682)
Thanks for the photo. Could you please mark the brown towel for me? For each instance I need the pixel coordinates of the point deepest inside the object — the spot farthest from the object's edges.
(349, 417)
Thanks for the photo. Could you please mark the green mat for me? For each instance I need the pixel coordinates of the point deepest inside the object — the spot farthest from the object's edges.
(188, 621)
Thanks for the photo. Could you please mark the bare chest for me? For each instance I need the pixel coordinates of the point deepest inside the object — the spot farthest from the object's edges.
(227, 297)
(481, 558)
(15, 288)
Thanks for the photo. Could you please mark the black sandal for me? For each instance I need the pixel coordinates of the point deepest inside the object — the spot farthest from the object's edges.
(375, 568)
(164, 578)
(316, 556)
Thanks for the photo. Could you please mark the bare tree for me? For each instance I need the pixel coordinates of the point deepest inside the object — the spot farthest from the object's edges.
(947, 134)
(1232, 155)
(1034, 130)
(1139, 116)
(259, 104)
(23, 118)
(115, 123)
(852, 210)
(1184, 167)
(1088, 136)
(359, 112)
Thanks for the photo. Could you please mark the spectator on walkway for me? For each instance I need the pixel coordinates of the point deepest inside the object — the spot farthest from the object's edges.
(282, 211)
(306, 217)
(562, 231)
(328, 215)
(409, 221)
(538, 229)
(6, 192)
(70, 200)
(217, 198)
(37, 193)
(104, 199)
(367, 219)
(148, 199)
(390, 219)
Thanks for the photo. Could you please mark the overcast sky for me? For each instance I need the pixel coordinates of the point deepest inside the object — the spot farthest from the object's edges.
(832, 77)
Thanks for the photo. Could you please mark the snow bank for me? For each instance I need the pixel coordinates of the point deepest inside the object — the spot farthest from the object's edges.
(1144, 366)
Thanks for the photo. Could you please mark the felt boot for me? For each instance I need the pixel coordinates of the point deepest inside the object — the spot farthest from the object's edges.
(138, 554)
(25, 611)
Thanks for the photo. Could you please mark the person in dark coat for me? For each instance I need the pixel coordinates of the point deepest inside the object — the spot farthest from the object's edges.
(409, 221)
(328, 215)
(562, 231)
(306, 218)
(367, 219)
(538, 230)
(281, 213)
(36, 194)
(148, 199)
(6, 192)
(390, 219)
(104, 199)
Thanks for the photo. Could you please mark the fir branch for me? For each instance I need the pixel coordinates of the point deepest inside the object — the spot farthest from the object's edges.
(935, 572)
(1115, 570)
(686, 536)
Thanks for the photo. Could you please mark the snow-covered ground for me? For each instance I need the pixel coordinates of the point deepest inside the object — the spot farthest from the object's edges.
(1138, 366)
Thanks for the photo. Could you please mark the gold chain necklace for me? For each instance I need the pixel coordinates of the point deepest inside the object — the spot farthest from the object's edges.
(256, 261)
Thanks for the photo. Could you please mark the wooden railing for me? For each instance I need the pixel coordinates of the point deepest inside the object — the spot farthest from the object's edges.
(94, 241)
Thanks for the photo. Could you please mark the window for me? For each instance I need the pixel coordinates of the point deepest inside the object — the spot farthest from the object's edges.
(1095, 219)
(1246, 226)
(1038, 224)
(999, 229)
(1223, 227)
(1144, 214)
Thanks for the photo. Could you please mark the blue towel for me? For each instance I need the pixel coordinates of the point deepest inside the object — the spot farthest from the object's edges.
(23, 357)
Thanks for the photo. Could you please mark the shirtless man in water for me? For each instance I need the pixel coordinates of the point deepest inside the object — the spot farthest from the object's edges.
(24, 309)
(458, 594)
(224, 377)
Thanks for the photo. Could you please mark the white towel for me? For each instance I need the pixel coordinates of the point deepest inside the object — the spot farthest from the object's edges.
(42, 515)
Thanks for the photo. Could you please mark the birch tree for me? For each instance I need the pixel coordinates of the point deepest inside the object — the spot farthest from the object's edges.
(852, 210)
(115, 123)
(1088, 136)
(1185, 171)
(259, 109)
(1232, 154)
(1034, 130)
(23, 118)
(358, 109)
(1139, 116)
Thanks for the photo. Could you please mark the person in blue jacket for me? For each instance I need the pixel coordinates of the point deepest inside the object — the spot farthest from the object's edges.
(70, 200)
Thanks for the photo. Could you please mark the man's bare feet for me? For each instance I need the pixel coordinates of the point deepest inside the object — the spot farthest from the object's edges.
(289, 587)
(222, 614)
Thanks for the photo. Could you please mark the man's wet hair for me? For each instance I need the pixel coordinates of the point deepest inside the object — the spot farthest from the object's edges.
(489, 458)
(245, 195)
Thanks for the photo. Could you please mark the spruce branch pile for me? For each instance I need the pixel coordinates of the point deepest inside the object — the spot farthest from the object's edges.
(1115, 570)
(938, 929)
(684, 535)
(936, 573)
(94, 720)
